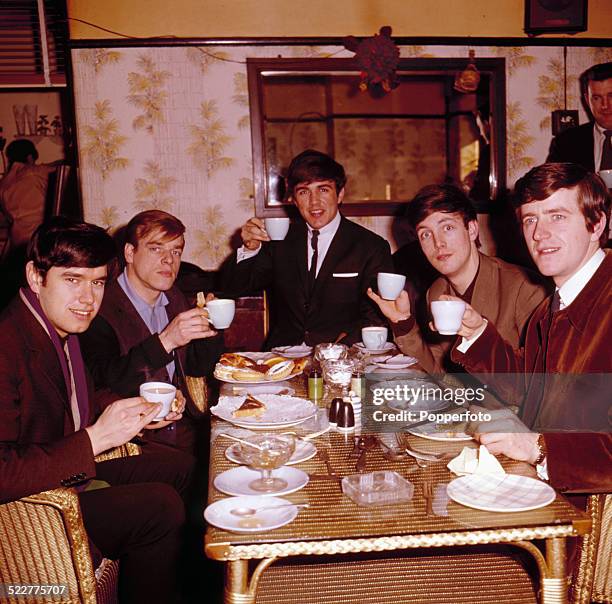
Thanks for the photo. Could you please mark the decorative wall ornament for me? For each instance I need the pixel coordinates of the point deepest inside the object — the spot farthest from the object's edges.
(468, 80)
(378, 57)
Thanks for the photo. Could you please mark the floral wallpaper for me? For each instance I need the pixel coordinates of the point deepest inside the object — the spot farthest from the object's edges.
(168, 128)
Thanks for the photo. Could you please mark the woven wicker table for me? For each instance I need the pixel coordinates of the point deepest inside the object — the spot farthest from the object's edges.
(334, 528)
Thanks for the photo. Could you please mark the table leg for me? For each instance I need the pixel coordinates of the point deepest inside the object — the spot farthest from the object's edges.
(554, 584)
(238, 588)
(236, 583)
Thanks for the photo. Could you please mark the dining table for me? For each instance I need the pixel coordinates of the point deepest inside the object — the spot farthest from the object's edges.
(354, 553)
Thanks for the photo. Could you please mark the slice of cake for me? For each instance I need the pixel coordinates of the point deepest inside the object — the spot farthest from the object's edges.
(251, 407)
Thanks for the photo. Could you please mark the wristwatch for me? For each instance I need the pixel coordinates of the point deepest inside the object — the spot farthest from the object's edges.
(541, 444)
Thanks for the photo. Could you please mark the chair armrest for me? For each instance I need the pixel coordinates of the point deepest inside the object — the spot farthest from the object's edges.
(126, 450)
(198, 390)
(49, 544)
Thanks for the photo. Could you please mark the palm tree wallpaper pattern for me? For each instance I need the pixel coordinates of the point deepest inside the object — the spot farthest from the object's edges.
(103, 141)
(167, 127)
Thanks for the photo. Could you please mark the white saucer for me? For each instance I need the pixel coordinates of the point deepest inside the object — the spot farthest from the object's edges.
(387, 346)
(495, 493)
(219, 514)
(293, 352)
(303, 450)
(399, 361)
(236, 481)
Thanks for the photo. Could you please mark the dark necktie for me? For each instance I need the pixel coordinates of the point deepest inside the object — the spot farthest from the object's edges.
(555, 305)
(606, 152)
(312, 273)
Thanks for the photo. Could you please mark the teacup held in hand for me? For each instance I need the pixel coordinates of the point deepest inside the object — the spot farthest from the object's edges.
(159, 392)
(390, 285)
(221, 312)
(277, 228)
(447, 315)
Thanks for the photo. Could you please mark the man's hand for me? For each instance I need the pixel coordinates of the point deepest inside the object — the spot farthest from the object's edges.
(176, 413)
(395, 310)
(253, 232)
(522, 446)
(120, 422)
(472, 320)
(189, 325)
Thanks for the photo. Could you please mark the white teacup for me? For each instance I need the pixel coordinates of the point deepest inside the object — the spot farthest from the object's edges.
(390, 285)
(606, 176)
(221, 312)
(277, 228)
(159, 392)
(374, 338)
(447, 315)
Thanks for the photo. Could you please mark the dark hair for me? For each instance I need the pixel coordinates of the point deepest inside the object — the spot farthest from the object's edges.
(596, 73)
(439, 198)
(20, 150)
(310, 166)
(542, 181)
(61, 241)
(151, 220)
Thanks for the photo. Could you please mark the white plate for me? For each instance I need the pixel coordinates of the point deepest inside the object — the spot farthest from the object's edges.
(293, 352)
(219, 514)
(431, 432)
(264, 381)
(257, 389)
(509, 493)
(387, 346)
(421, 395)
(397, 362)
(236, 481)
(303, 450)
(281, 411)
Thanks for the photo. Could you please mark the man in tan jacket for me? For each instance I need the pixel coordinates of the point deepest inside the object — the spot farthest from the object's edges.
(445, 222)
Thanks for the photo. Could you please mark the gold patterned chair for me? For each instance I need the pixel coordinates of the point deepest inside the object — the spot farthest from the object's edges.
(45, 543)
(592, 581)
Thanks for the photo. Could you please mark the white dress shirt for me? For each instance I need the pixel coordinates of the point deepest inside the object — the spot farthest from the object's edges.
(598, 140)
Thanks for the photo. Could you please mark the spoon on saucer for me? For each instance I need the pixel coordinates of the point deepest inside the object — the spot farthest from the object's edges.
(243, 512)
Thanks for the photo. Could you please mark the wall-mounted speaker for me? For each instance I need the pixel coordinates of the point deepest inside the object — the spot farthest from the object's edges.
(561, 16)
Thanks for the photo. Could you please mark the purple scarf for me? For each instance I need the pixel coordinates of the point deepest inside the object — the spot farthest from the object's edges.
(76, 359)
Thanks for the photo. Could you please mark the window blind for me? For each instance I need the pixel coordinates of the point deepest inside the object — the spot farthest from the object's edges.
(33, 43)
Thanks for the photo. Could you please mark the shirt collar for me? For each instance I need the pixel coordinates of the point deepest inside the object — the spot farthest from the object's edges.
(135, 298)
(599, 130)
(569, 291)
(329, 229)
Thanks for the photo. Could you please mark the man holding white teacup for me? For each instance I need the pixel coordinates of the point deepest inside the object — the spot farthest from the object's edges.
(444, 220)
(320, 271)
(146, 331)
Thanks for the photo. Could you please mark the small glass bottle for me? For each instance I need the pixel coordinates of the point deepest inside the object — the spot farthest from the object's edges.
(358, 383)
(315, 384)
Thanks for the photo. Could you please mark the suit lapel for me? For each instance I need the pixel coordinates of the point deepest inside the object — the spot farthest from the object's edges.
(487, 284)
(300, 261)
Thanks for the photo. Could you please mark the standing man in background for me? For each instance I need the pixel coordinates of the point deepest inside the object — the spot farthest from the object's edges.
(589, 145)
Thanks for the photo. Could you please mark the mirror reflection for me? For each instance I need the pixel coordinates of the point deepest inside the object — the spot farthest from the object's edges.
(392, 144)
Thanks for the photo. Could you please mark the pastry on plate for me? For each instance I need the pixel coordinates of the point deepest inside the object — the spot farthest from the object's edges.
(251, 407)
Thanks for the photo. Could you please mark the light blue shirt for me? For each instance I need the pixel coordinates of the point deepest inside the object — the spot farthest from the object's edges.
(154, 316)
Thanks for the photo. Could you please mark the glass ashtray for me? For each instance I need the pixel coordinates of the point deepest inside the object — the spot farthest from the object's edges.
(377, 488)
(329, 351)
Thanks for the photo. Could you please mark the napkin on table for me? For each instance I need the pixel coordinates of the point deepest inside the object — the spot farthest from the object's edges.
(475, 461)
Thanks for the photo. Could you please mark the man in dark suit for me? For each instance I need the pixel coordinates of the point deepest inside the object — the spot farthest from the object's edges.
(51, 427)
(146, 330)
(313, 300)
(589, 145)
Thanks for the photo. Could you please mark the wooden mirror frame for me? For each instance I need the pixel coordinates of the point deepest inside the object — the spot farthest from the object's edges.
(258, 68)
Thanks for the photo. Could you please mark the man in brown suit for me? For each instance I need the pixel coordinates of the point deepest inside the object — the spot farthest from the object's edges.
(564, 368)
(444, 220)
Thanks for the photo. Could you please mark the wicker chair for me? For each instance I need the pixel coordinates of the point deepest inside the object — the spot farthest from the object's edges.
(592, 581)
(47, 544)
(198, 389)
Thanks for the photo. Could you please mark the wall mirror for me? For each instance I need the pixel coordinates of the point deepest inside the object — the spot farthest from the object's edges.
(392, 144)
